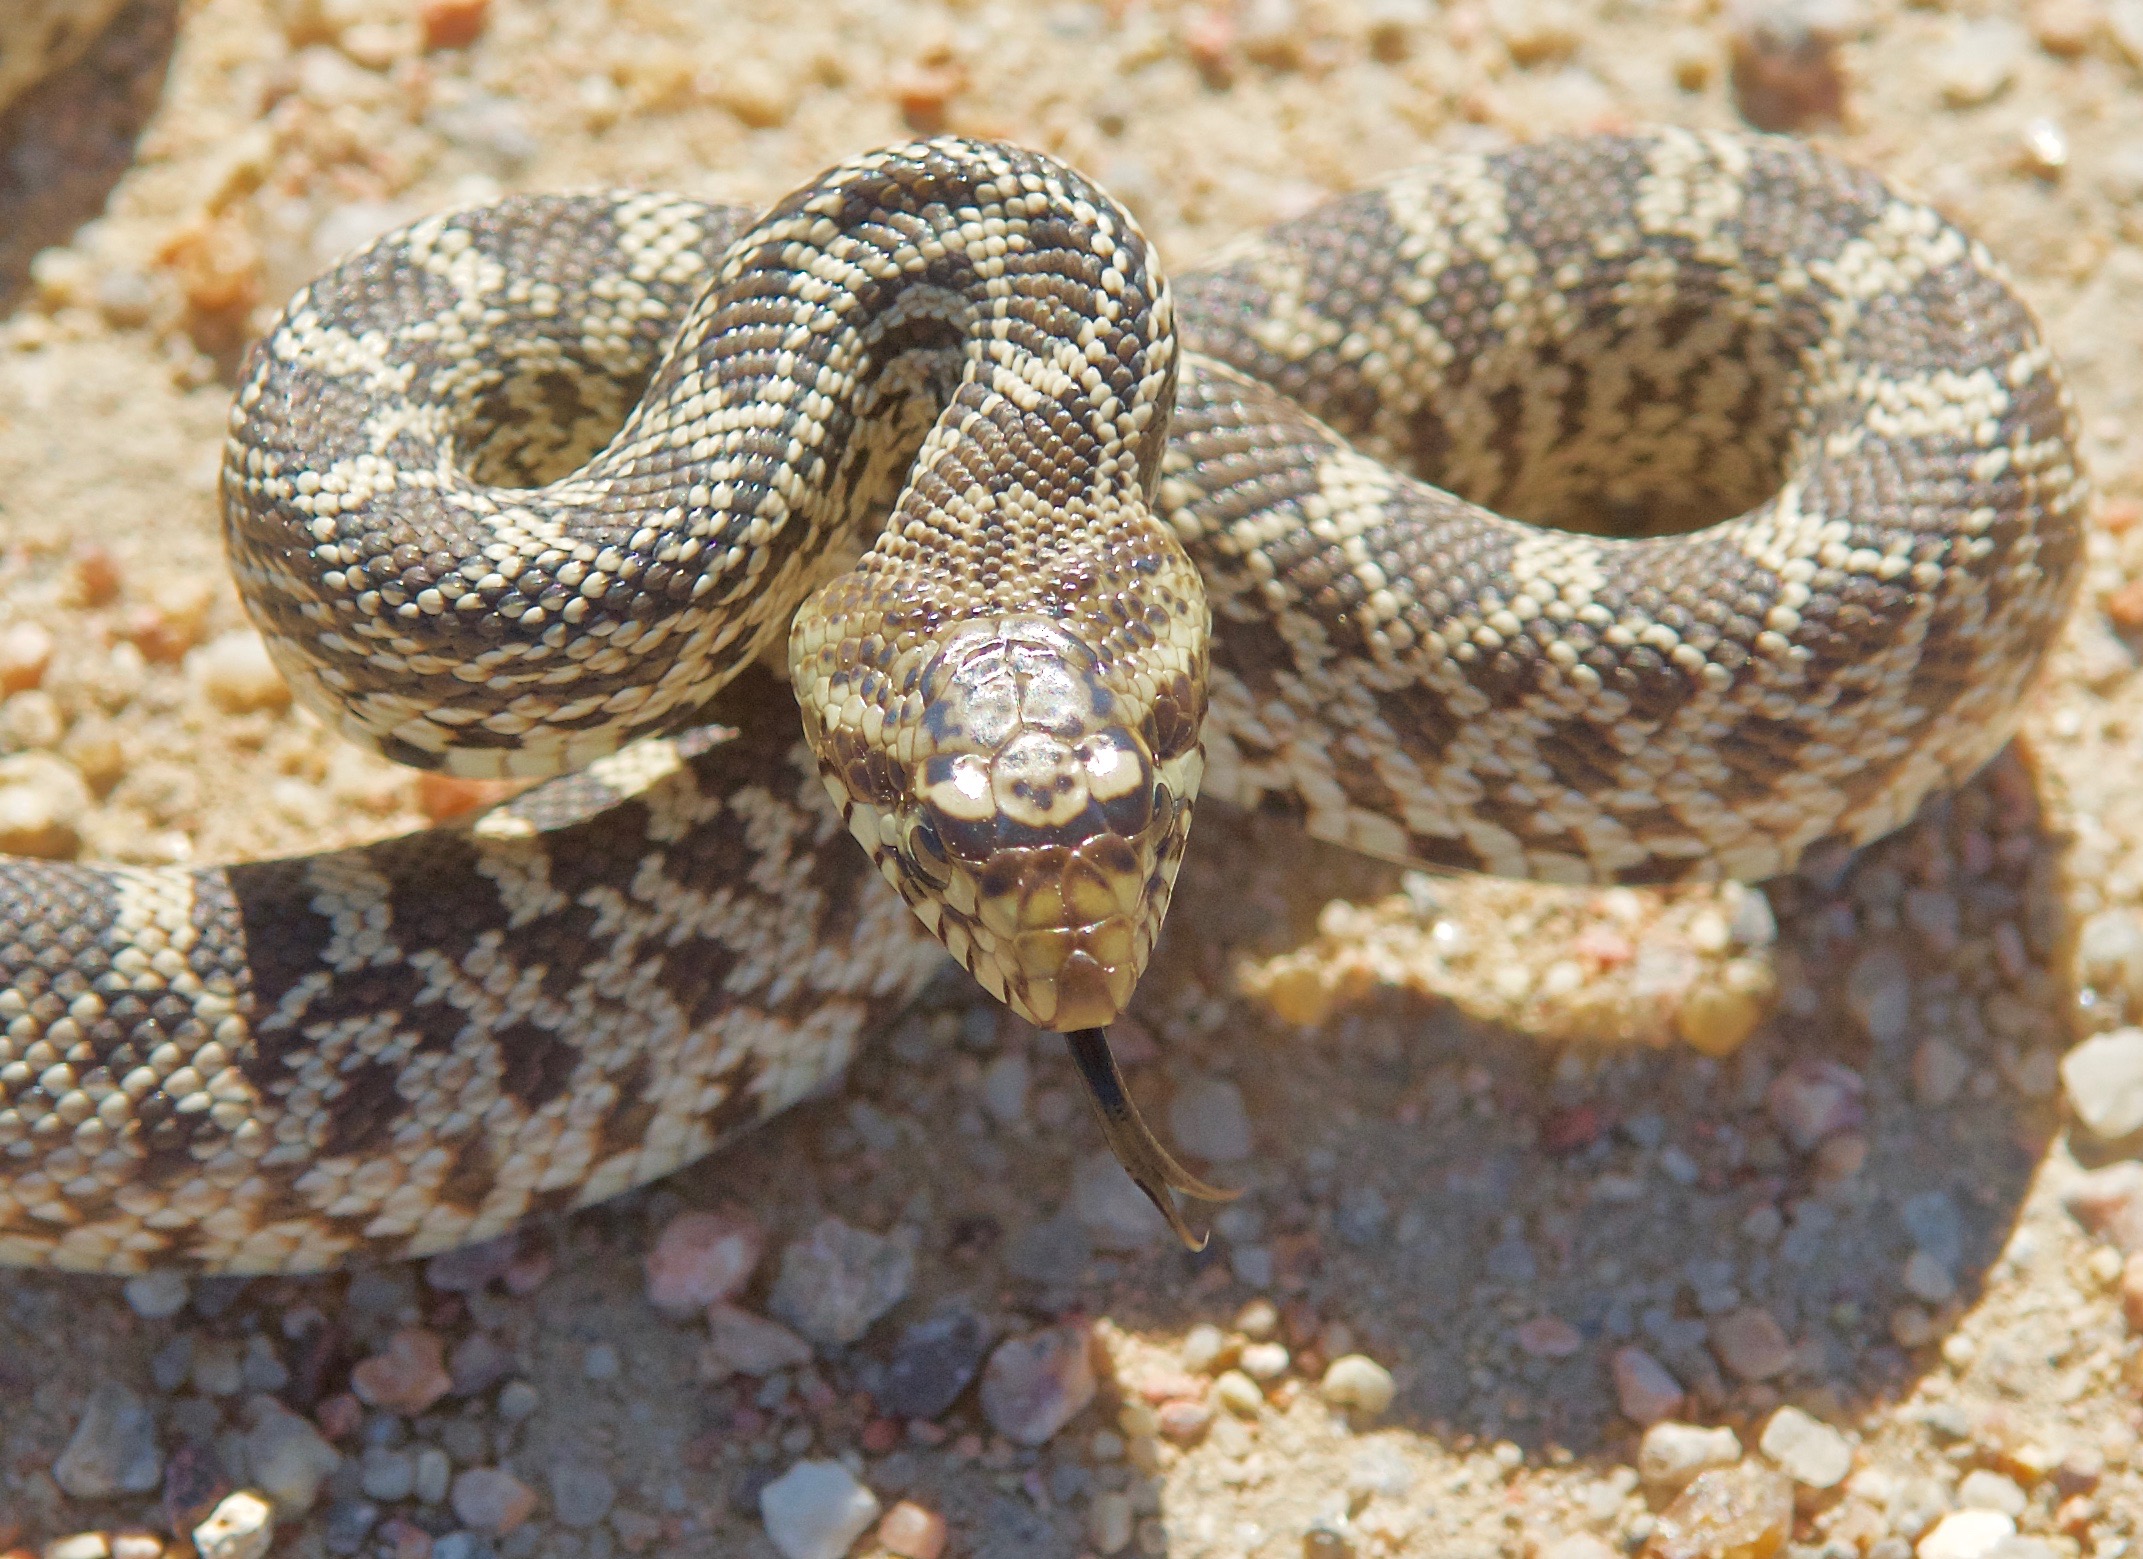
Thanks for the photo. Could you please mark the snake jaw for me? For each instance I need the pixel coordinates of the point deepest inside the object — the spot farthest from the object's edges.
(1152, 1168)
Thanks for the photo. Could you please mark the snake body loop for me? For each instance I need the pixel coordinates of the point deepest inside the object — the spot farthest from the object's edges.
(518, 485)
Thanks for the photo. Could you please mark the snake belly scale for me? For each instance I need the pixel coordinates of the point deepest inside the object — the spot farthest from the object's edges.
(1636, 509)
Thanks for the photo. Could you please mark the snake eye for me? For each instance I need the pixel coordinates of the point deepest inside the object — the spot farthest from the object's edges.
(925, 854)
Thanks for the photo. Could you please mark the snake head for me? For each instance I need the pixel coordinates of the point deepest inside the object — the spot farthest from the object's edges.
(1029, 807)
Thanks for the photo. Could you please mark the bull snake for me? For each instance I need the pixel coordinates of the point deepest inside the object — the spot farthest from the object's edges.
(541, 484)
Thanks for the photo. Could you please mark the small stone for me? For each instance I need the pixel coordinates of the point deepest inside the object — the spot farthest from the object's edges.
(838, 1279)
(1238, 1393)
(1111, 1208)
(1966, 1534)
(433, 1471)
(2103, 1078)
(1549, 1337)
(2131, 1281)
(1806, 1449)
(932, 1364)
(1741, 1512)
(912, 1531)
(601, 1362)
(346, 1525)
(491, 1500)
(43, 805)
(1813, 1098)
(25, 654)
(1005, 1082)
(1644, 1390)
(1109, 1523)
(747, 1344)
(1263, 1361)
(408, 1377)
(816, 1510)
(518, 1401)
(288, 1458)
(1750, 1343)
(241, 1527)
(1979, 61)
(113, 1449)
(156, 1296)
(1939, 1073)
(1035, 1385)
(234, 670)
(1878, 990)
(386, 1474)
(1672, 1455)
(1927, 1279)
(1208, 1119)
(581, 1494)
(478, 1363)
(1984, 1489)
(1206, 1348)
(2108, 1202)
(137, 1545)
(81, 1545)
(452, 24)
(1185, 1422)
(702, 1258)
(1358, 1382)
(1580, 1545)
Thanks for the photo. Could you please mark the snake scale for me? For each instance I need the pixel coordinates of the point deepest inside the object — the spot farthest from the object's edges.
(1636, 509)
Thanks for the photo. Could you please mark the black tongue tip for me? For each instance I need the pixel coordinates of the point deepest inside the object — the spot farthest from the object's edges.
(1151, 1167)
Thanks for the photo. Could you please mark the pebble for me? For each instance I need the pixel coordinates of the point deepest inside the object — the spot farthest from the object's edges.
(747, 1344)
(113, 1449)
(287, 1457)
(1671, 1455)
(43, 804)
(1209, 1120)
(2108, 1202)
(912, 1531)
(601, 1362)
(1644, 1390)
(2103, 1078)
(1741, 1510)
(1806, 1449)
(1111, 1208)
(478, 1363)
(235, 672)
(240, 1527)
(408, 1377)
(1109, 1523)
(518, 1400)
(1939, 1072)
(933, 1363)
(816, 1510)
(838, 1279)
(386, 1474)
(1979, 61)
(1207, 1348)
(491, 1500)
(452, 24)
(1035, 1385)
(433, 1471)
(1549, 1337)
(347, 1524)
(581, 1494)
(1927, 1279)
(1580, 1545)
(1357, 1381)
(1258, 1319)
(82, 1545)
(1265, 1360)
(702, 1258)
(1238, 1393)
(1984, 1489)
(1184, 1422)
(156, 1296)
(1750, 1343)
(1813, 1098)
(1878, 992)
(25, 655)
(1966, 1534)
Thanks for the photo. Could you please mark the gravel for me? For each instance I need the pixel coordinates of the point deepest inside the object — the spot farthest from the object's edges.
(1208, 1119)
(933, 1363)
(241, 1527)
(1672, 1454)
(2102, 1079)
(1806, 1449)
(839, 1279)
(816, 1510)
(702, 1258)
(1034, 1385)
(1358, 1383)
(113, 1449)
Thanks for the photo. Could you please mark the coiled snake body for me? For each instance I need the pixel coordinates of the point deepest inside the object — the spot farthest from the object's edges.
(932, 392)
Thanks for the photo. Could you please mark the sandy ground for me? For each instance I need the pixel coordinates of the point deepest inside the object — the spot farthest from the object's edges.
(1856, 1213)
